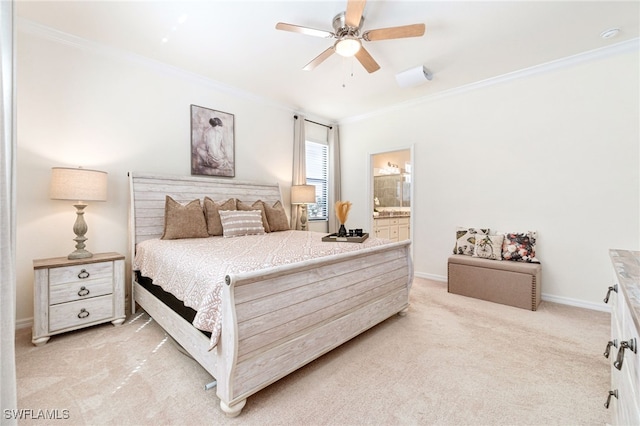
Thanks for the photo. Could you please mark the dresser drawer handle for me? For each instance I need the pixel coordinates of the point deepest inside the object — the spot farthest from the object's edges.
(83, 313)
(611, 288)
(83, 274)
(611, 393)
(613, 343)
(627, 344)
(83, 291)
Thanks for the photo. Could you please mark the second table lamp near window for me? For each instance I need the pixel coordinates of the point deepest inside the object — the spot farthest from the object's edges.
(303, 195)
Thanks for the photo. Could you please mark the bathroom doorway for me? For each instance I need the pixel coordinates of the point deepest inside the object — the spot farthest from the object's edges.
(391, 193)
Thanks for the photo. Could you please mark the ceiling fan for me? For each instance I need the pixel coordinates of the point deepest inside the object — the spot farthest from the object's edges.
(347, 26)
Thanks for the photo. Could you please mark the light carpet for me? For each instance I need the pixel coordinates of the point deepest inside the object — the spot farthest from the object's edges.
(451, 360)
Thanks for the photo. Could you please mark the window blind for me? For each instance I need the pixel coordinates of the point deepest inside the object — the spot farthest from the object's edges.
(317, 157)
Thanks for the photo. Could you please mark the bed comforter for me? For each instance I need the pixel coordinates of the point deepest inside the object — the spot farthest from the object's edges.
(194, 270)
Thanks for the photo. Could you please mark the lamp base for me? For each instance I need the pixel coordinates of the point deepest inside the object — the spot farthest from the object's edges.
(80, 254)
(80, 228)
(303, 218)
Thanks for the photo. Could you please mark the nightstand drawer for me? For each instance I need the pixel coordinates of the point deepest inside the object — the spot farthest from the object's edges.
(81, 312)
(73, 293)
(81, 273)
(69, 292)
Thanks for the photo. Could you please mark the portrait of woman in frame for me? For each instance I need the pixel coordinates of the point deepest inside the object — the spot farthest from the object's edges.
(212, 142)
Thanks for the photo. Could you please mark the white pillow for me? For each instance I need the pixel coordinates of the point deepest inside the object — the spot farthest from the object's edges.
(236, 223)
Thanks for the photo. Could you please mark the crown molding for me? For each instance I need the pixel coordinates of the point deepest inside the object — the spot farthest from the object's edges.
(632, 45)
(29, 27)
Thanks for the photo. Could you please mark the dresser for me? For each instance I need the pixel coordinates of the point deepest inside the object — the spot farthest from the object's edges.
(74, 293)
(622, 349)
(392, 228)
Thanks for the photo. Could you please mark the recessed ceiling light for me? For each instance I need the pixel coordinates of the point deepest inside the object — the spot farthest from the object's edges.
(610, 33)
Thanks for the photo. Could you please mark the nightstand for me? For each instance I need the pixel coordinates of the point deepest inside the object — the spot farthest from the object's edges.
(74, 293)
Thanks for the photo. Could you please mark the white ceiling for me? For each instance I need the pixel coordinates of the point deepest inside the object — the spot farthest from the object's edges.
(236, 43)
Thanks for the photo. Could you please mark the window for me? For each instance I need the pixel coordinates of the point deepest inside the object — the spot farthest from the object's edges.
(317, 165)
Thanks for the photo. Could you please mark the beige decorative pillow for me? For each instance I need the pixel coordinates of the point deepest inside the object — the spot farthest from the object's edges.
(236, 223)
(277, 217)
(258, 205)
(183, 221)
(211, 209)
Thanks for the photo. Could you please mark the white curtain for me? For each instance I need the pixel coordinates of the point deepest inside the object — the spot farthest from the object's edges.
(8, 398)
(299, 166)
(334, 177)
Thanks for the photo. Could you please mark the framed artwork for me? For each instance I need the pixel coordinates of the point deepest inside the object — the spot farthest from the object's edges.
(212, 142)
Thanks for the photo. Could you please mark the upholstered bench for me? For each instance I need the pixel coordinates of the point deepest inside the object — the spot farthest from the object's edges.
(500, 281)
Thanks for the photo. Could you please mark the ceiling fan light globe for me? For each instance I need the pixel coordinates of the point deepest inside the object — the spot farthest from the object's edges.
(347, 47)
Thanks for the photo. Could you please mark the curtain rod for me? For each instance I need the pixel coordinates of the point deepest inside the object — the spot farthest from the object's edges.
(315, 122)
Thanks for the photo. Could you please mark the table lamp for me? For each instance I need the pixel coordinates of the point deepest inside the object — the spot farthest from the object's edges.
(78, 185)
(303, 194)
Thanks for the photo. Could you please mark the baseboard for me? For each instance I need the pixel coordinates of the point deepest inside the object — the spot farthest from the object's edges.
(24, 323)
(545, 297)
(432, 277)
(576, 302)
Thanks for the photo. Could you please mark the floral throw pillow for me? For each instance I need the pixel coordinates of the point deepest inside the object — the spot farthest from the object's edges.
(489, 246)
(520, 246)
(466, 240)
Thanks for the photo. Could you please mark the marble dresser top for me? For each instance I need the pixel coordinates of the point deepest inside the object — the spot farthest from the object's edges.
(627, 266)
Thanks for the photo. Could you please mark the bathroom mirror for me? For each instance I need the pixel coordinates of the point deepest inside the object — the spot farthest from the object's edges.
(392, 190)
(391, 193)
(392, 180)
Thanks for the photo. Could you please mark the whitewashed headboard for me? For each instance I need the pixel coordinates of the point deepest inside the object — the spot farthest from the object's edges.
(148, 194)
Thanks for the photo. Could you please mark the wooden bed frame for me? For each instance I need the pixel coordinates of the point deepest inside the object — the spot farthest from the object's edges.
(276, 320)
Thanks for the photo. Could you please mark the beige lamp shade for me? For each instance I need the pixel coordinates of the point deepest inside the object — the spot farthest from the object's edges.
(303, 194)
(78, 184)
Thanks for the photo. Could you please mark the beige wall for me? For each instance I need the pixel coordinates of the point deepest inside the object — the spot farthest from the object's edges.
(555, 151)
(99, 109)
(399, 158)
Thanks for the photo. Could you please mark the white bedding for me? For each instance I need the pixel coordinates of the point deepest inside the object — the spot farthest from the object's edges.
(193, 270)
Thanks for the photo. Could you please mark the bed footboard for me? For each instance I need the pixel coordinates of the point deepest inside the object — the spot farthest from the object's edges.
(290, 316)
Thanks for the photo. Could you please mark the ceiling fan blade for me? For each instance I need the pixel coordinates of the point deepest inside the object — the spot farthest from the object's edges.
(367, 60)
(415, 30)
(354, 12)
(303, 30)
(319, 59)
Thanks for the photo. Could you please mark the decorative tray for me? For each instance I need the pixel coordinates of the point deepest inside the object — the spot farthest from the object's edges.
(353, 239)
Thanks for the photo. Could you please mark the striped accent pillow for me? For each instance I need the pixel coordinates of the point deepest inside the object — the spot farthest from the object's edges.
(236, 223)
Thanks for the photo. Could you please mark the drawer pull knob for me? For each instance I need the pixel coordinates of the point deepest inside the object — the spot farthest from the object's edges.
(611, 288)
(83, 313)
(613, 343)
(611, 393)
(83, 274)
(83, 291)
(627, 344)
